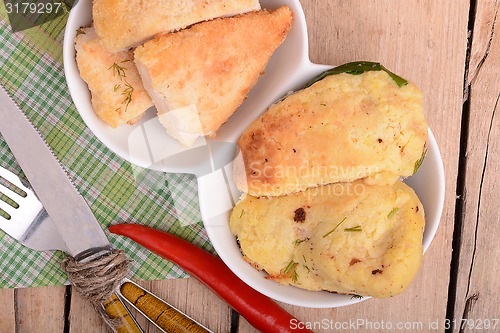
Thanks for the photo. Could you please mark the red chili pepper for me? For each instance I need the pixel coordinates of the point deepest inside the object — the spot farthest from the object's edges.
(259, 310)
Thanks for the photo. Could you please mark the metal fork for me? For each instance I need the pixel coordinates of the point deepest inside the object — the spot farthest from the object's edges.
(23, 217)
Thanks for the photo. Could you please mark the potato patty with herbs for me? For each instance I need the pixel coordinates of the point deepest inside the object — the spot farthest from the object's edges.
(349, 238)
(342, 128)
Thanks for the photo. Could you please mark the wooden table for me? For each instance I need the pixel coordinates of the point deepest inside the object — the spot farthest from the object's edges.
(450, 49)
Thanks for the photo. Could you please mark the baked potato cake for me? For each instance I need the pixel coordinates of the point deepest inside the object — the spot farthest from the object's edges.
(349, 238)
(346, 126)
(123, 24)
(118, 96)
(199, 76)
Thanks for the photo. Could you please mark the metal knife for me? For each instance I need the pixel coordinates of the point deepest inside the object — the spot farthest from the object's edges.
(68, 210)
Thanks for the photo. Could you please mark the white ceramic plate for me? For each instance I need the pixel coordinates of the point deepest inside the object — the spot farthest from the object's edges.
(146, 144)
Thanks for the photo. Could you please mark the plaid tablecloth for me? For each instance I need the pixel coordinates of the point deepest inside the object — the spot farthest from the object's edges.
(31, 69)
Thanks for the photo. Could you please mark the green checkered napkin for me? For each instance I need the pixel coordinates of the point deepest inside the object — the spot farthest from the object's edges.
(31, 70)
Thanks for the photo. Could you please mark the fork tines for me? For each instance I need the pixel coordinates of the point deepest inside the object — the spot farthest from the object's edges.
(18, 204)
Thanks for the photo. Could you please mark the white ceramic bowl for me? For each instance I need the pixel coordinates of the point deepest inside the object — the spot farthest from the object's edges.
(146, 144)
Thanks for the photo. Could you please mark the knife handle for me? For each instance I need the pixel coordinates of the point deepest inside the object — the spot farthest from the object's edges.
(163, 315)
(117, 310)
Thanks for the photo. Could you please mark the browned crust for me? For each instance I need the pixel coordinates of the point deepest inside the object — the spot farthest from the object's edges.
(308, 140)
(109, 90)
(122, 24)
(216, 79)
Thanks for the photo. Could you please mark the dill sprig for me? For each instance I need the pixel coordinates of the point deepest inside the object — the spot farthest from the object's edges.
(299, 241)
(118, 71)
(80, 31)
(392, 212)
(291, 265)
(128, 90)
(295, 276)
(290, 270)
(353, 229)
(357, 296)
(331, 231)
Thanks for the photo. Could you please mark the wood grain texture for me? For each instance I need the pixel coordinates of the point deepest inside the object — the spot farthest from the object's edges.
(425, 42)
(39, 309)
(187, 295)
(196, 300)
(82, 317)
(477, 280)
(7, 311)
(485, 18)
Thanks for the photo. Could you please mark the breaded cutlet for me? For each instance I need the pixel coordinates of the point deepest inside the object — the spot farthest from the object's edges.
(124, 24)
(118, 96)
(199, 76)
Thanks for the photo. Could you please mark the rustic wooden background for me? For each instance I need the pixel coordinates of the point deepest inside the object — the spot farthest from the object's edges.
(450, 49)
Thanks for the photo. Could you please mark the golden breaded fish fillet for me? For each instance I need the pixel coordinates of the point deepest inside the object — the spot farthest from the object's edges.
(118, 96)
(124, 24)
(342, 128)
(349, 238)
(198, 77)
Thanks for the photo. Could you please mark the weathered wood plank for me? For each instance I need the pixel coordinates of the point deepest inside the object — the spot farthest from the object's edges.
(188, 295)
(82, 317)
(482, 41)
(425, 42)
(7, 312)
(39, 309)
(478, 271)
(196, 300)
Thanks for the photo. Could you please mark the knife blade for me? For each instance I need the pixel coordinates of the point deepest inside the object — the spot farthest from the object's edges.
(74, 221)
(68, 210)
(72, 217)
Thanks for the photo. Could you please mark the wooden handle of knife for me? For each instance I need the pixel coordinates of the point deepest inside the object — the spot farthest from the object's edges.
(116, 310)
(161, 313)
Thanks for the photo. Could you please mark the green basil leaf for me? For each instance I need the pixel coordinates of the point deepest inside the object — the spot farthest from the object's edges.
(419, 162)
(356, 68)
